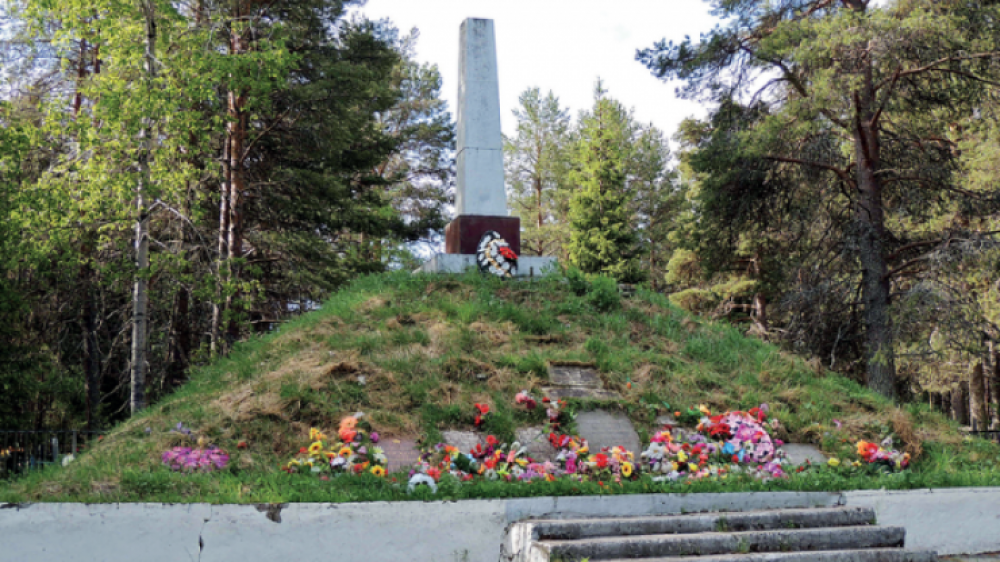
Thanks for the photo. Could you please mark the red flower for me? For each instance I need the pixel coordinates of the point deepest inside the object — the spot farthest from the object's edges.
(483, 408)
(434, 473)
(491, 441)
(507, 253)
(602, 460)
(241, 445)
(303, 451)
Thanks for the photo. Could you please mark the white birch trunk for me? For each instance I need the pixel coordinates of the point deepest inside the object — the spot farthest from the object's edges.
(140, 297)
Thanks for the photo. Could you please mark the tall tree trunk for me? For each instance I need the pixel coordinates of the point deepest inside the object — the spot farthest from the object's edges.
(237, 136)
(140, 297)
(237, 187)
(91, 351)
(180, 346)
(960, 403)
(977, 391)
(223, 257)
(869, 219)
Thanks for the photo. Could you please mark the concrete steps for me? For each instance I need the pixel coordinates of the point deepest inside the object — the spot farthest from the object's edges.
(796, 535)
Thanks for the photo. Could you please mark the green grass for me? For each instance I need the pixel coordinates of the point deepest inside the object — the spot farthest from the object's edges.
(428, 348)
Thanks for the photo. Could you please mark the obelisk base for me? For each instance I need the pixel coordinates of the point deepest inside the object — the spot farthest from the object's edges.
(527, 266)
(462, 235)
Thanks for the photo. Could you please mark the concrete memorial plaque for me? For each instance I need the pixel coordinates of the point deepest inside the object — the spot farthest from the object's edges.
(574, 375)
(580, 392)
(606, 429)
(464, 440)
(402, 452)
(576, 381)
(797, 454)
(537, 442)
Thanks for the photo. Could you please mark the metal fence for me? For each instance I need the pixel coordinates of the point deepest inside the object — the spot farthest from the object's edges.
(992, 435)
(23, 451)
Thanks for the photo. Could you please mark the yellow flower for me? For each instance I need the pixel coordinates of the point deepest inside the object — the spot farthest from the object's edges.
(692, 467)
(522, 462)
(856, 464)
(834, 461)
(378, 471)
(626, 469)
(316, 448)
(583, 450)
(316, 435)
(704, 409)
(682, 456)
(345, 451)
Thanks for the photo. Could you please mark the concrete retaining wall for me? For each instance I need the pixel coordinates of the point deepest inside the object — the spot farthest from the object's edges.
(954, 521)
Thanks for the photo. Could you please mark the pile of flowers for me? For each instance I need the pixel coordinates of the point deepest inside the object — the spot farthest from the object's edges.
(883, 454)
(355, 451)
(733, 442)
(186, 459)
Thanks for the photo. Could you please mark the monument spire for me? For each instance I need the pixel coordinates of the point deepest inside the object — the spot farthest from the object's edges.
(480, 196)
(479, 158)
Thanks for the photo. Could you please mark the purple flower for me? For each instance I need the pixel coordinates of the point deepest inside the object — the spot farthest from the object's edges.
(374, 437)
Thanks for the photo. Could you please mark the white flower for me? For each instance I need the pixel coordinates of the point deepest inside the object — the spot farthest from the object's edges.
(67, 459)
(419, 479)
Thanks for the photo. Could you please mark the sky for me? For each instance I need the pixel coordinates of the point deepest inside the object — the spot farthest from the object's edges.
(562, 46)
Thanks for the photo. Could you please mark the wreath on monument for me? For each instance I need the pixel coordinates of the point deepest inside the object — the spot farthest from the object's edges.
(495, 257)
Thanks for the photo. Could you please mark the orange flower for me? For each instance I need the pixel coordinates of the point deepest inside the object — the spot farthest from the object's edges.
(350, 422)
(347, 434)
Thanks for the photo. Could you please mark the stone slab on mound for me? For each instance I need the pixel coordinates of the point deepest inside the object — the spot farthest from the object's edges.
(607, 429)
(402, 452)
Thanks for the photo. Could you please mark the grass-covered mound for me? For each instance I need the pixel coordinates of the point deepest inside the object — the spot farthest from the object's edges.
(416, 352)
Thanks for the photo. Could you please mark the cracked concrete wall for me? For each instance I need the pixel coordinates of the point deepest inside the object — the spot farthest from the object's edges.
(954, 521)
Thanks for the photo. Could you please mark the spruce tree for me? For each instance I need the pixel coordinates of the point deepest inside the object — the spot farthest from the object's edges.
(601, 240)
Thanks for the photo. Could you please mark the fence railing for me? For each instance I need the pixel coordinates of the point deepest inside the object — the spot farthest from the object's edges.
(993, 435)
(22, 451)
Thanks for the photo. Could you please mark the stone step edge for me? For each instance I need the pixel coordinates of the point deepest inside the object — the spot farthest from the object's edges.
(852, 555)
(709, 521)
(646, 546)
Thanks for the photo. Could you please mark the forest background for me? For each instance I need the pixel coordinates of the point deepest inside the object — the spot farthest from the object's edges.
(177, 176)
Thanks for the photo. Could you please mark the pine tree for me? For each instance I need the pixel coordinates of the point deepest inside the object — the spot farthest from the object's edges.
(537, 162)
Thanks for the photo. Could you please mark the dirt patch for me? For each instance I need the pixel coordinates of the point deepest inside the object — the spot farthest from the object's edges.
(497, 334)
(373, 304)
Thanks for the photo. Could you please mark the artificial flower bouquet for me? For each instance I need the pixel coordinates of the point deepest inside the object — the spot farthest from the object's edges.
(355, 451)
(187, 459)
(883, 455)
(733, 442)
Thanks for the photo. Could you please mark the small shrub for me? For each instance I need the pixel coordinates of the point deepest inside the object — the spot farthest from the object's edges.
(603, 294)
(577, 281)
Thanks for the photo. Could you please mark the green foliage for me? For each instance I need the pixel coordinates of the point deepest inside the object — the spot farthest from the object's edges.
(538, 161)
(602, 238)
(603, 295)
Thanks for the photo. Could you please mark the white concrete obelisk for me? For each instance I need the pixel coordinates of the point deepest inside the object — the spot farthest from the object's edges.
(481, 198)
(479, 158)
